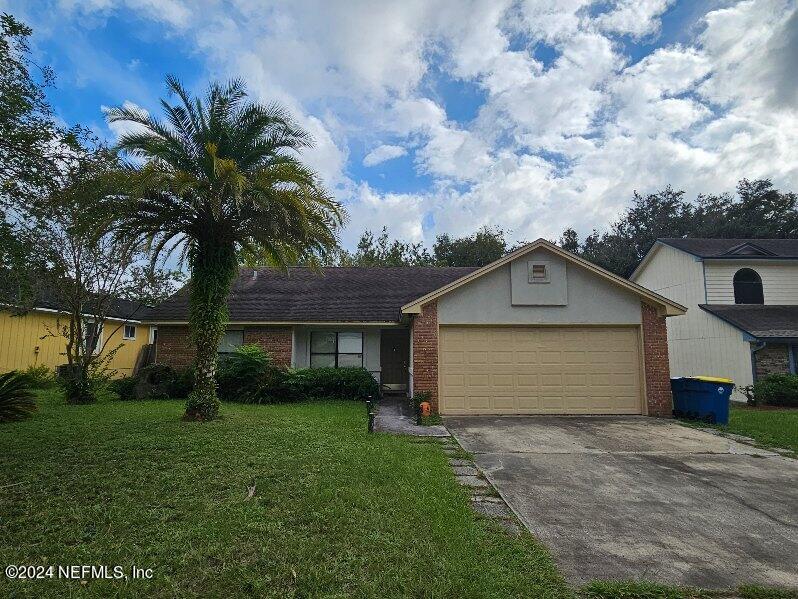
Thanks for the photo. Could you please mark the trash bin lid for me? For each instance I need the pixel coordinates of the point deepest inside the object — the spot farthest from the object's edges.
(712, 379)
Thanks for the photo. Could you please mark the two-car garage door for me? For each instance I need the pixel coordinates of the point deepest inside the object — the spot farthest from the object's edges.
(540, 370)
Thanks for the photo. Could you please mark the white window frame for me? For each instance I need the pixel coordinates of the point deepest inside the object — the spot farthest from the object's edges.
(100, 331)
(127, 337)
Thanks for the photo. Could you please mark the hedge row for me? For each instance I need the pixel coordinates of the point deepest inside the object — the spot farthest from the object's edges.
(250, 376)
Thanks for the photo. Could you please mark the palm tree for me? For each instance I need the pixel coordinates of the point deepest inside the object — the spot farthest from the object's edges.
(222, 181)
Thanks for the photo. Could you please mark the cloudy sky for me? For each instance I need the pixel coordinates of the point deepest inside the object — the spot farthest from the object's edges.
(443, 116)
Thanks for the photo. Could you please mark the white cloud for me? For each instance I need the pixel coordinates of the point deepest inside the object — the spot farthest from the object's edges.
(120, 128)
(633, 17)
(369, 209)
(382, 153)
(556, 143)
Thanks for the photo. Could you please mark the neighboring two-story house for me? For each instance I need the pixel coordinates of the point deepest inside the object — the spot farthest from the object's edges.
(742, 300)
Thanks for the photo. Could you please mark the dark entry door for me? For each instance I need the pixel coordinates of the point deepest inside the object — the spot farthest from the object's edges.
(394, 358)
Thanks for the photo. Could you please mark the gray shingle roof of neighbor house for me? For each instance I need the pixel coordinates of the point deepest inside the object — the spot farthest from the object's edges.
(340, 294)
(764, 322)
(119, 308)
(735, 248)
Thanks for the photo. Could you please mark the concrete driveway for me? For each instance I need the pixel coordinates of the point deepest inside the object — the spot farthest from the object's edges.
(641, 498)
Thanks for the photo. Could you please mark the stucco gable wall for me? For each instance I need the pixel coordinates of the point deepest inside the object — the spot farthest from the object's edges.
(590, 299)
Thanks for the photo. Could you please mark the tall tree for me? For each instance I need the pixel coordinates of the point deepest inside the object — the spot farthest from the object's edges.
(77, 262)
(222, 179)
(380, 251)
(31, 144)
(757, 210)
(479, 249)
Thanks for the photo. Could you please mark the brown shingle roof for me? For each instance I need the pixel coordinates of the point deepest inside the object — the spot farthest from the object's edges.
(765, 322)
(334, 295)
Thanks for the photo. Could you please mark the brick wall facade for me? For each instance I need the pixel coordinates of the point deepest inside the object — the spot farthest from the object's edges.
(772, 359)
(425, 352)
(275, 340)
(657, 368)
(174, 346)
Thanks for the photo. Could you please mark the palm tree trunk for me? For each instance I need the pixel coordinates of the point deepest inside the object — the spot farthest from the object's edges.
(213, 269)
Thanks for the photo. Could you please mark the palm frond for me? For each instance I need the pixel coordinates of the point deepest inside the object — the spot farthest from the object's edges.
(220, 169)
(17, 400)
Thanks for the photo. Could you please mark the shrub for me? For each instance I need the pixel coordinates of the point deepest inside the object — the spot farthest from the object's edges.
(182, 383)
(39, 377)
(125, 387)
(17, 401)
(330, 383)
(776, 390)
(154, 382)
(247, 375)
(415, 404)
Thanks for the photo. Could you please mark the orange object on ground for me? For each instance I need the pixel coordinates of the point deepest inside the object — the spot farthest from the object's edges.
(425, 408)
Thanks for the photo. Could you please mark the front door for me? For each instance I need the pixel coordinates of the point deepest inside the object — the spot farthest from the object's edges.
(394, 358)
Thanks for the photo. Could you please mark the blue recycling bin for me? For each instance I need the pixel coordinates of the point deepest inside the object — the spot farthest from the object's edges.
(702, 398)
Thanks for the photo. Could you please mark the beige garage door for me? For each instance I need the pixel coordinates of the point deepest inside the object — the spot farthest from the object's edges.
(539, 370)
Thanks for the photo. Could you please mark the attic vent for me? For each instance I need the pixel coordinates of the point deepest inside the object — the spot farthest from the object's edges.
(748, 249)
(539, 272)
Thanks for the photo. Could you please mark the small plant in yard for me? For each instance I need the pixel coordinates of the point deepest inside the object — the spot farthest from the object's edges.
(17, 400)
(415, 404)
(155, 381)
(774, 390)
(39, 377)
(247, 375)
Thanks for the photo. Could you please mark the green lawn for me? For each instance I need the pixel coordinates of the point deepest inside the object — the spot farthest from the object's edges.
(337, 511)
(769, 427)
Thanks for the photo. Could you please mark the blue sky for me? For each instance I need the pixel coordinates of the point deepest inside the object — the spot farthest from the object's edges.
(447, 116)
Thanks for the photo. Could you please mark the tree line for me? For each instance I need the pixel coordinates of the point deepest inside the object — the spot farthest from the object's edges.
(757, 210)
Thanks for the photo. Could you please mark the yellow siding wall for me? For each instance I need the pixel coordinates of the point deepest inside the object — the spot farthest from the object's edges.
(698, 343)
(779, 281)
(20, 336)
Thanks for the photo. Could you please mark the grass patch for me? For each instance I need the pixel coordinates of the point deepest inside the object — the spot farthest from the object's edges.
(648, 590)
(757, 592)
(336, 512)
(638, 590)
(430, 420)
(769, 427)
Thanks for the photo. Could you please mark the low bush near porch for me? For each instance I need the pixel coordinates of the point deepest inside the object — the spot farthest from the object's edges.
(249, 375)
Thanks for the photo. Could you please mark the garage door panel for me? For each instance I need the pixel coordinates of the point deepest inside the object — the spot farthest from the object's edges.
(540, 370)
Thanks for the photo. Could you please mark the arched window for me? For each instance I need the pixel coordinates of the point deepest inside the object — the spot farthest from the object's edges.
(748, 287)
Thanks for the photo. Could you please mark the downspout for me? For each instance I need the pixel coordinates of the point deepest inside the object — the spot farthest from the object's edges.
(755, 348)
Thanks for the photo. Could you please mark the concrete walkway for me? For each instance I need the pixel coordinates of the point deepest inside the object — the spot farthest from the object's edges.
(395, 416)
(643, 498)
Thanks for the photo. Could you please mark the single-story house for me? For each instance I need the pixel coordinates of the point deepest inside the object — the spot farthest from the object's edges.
(742, 300)
(540, 331)
(34, 336)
